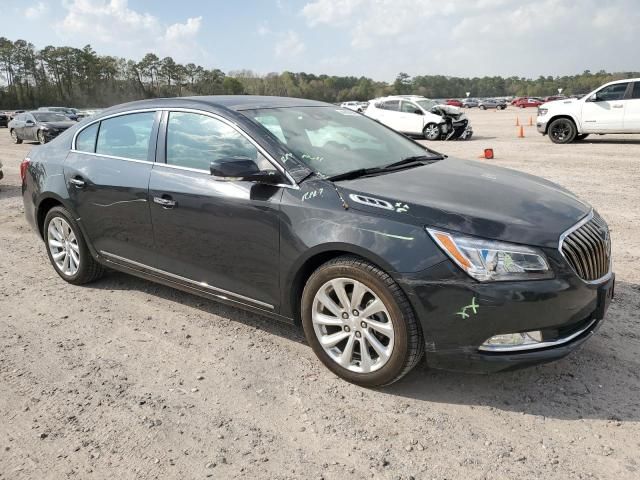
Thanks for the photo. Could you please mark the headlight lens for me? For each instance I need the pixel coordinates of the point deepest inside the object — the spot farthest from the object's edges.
(488, 260)
(542, 111)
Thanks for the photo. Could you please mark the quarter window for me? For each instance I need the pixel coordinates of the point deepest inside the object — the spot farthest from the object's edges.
(195, 140)
(126, 136)
(86, 139)
(635, 94)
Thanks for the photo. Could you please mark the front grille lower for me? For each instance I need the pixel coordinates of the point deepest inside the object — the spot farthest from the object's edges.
(588, 249)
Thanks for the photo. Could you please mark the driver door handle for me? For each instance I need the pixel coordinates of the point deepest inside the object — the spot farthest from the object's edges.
(164, 201)
(77, 181)
(619, 105)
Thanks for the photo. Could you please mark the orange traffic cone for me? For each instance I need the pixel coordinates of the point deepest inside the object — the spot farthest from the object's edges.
(521, 134)
(531, 121)
(517, 122)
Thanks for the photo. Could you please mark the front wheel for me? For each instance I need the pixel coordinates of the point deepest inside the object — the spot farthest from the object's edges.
(14, 136)
(482, 107)
(431, 132)
(41, 138)
(67, 249)
(562, 130)
(359, 323)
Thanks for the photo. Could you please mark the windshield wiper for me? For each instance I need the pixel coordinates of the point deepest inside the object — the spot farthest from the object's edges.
(408, 162)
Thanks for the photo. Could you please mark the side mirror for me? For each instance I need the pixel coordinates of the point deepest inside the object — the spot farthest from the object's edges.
(243, 169)
(593, 98)
(29, 123)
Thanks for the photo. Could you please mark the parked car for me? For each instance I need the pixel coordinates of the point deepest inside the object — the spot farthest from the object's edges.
(469, 103)
(414, 115)
(528, 102)
(611, 108)
(382, 249)
(4, 119)
(492, 103)
(68, 112)
(40, 126)
(355, 106)
(454, 102)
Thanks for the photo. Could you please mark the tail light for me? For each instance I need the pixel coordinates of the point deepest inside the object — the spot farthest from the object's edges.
(23, 168)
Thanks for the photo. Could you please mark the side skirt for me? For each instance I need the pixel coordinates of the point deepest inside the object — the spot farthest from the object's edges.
(165, 278)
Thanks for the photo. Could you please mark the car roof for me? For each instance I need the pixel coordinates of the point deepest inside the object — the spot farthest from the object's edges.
(231, 102)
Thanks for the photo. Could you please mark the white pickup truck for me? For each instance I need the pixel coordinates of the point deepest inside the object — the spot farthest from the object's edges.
(611, 108)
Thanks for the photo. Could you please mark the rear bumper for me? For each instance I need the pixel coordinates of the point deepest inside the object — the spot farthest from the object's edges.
(567, 310)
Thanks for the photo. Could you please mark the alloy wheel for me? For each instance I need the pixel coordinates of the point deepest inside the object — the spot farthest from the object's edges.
(63, 246)
(14, 136)
(560, 131)
(432, 132)
(41, 138)
(353, 325)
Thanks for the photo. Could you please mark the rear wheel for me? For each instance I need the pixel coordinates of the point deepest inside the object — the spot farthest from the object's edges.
(14, 137)
(359, 323)
(431, 132)
(482, 107)
(68, 250)
(562, 130)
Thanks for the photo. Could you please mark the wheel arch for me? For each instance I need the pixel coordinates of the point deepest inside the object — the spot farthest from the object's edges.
(310, 262)
(562, 115)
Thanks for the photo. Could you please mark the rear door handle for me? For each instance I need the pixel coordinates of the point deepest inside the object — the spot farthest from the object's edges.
(77, 181)
(165, 201)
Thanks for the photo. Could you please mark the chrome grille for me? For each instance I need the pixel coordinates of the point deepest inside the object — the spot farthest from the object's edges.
(587, 248)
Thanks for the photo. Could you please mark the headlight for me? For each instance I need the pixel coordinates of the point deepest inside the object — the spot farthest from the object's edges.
(488, 260)
(542, 111)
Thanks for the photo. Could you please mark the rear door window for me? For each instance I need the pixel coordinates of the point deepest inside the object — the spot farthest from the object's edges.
(126, 136)
(635, 93)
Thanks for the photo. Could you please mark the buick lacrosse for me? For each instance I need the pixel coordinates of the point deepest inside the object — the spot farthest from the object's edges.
(383, 250)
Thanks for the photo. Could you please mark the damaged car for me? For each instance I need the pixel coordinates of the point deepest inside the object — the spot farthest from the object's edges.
(382, 249)
(420, 116)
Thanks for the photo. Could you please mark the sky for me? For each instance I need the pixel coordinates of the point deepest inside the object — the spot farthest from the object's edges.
(374, 38)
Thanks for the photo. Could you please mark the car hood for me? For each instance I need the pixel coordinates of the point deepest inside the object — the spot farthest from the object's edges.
(472, 198)
(58, 124)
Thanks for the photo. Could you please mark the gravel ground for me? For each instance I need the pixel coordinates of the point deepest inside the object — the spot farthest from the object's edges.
(128, 379)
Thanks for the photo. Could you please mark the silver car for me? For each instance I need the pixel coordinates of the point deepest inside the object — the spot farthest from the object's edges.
(492, 103)
(469, 103)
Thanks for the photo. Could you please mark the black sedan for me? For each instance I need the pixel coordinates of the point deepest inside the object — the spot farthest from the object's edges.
(4, 119)
(38, 126)
(314, 214)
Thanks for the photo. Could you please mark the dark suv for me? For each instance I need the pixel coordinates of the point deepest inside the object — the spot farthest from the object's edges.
(313, 213)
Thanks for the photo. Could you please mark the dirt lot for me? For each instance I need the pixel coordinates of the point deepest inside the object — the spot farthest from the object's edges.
(128, 379)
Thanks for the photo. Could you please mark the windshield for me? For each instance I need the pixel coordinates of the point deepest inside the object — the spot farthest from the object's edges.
(50, 117)
(427, 104)
(333, 140)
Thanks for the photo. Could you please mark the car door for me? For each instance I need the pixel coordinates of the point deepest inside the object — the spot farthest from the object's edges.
(107, 176)
(219, 236)
(18, 124)
(29, 129)
(632, 110)
(389, 114)
(410, 118)
(604, 110)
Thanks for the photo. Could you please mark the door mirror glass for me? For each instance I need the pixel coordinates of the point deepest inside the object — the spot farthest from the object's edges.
(243, 169)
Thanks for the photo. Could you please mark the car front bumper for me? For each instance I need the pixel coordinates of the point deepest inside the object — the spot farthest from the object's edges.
(541, 126)
(566, 309)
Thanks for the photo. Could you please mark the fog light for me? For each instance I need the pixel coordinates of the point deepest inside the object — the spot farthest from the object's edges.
(511, 341)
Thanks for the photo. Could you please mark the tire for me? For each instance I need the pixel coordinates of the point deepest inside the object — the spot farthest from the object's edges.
(580, 137)
(402, 344)
(60, 228)
(431, 132)
(41, 138)
(14, 137)
(562, 130)
(482, 107)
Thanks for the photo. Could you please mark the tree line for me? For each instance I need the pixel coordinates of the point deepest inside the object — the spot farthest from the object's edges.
(79, 77)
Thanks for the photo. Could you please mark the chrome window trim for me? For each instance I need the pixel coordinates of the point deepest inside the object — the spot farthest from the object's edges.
(568, 232)
(219, 292)
(536, 346)
(215, 116)
(112, 157)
